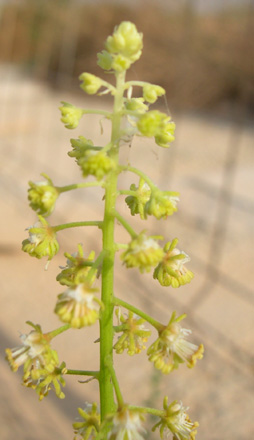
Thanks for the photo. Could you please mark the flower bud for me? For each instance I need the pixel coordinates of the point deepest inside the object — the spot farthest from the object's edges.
(134, 334)
(136, 105)
(96, 164)
(76, 269)
(137, 202)
(152, 92)
(161, 204)
(120, 63)
(71, 115)
(90, 159)
(143, 252)
(42, 240)
(42, 196)
(91, 83)
(80, 146)
(166, 136)
(105, 60)
(155, 123)
(151, 123)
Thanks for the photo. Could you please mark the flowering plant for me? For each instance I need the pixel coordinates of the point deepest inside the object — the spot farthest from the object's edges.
(80, 304)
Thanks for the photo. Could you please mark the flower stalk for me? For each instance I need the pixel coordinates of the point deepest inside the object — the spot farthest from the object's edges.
(106, 321)
(82, 303)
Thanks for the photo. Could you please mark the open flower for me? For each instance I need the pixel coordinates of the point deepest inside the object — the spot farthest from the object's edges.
(175, 420)
(43, 196)
(89, 426)
(71, 115)
(126, 425)
(77, 268)
(161, 204)
(78, 306)
(143, 252)
(41, 364)
(134, 334)
(137, 201)
(171, 271)
(42, 240)
(172, 348)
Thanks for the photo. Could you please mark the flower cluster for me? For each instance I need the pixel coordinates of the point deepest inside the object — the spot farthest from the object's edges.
(41, 364)
(175, 420)
(71, 115)
(123, 48)
(138, 200)
(171, 348)
(171, 271)
(158, 125)
(142, 252)
(78, 306)
(92, 160)
(126, 425)
(89, 427)
(42, 196)
(77, 268)
(42, 240)
(134, 334)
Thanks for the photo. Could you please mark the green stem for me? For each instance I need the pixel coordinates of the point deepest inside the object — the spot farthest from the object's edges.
(97, 112)
(62, 189)
(76, 225)
(108, 86)
(144, 409)
(95, 374)
(119, 246)
(125, 224)
(140, 174)
(58, 331)
(136, 83)
(119, 396)
(127, 192)
(107, 403)
(148, 318)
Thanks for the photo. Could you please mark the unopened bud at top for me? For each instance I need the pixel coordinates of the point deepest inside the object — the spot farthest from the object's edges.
(126, 40)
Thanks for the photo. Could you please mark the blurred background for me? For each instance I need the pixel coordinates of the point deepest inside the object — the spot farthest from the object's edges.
(201, 52)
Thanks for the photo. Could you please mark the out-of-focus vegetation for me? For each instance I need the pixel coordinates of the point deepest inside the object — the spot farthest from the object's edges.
(203, 61)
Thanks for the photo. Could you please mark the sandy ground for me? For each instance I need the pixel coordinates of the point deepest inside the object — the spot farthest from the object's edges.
(211, 164)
